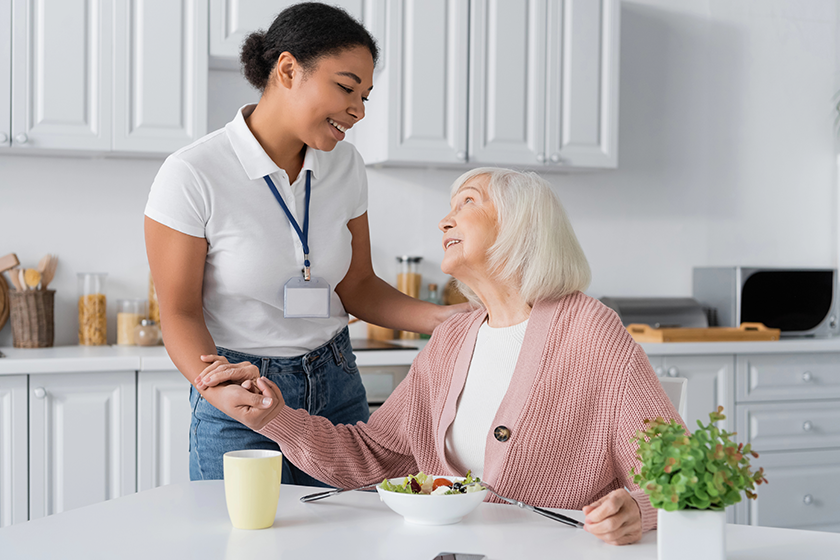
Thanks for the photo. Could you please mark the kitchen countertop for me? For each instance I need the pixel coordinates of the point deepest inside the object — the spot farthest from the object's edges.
(189, 520)
(91, 359)
(68, 359)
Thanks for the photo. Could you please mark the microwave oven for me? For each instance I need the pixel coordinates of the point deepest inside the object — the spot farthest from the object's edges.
(798, 301)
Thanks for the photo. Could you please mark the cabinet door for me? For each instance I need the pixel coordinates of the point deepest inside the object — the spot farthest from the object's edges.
(61, 74)
(582, 71)
(507, 82)
(81, 439)
(160, 74)
(5, 75)
(710, 383)
(418, 108)
(14, 498)
(802, 493)
(232, 20)
(163, 429)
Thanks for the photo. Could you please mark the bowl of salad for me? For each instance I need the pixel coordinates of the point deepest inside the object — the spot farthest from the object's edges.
(432, 500)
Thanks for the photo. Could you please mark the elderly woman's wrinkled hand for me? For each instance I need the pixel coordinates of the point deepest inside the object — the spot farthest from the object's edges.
(615, 518)
(254, 403)
(221, 371)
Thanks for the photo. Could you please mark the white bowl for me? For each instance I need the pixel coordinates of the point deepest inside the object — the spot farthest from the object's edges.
(426, 509)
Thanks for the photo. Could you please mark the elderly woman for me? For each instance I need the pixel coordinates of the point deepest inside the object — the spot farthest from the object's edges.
(541, 382)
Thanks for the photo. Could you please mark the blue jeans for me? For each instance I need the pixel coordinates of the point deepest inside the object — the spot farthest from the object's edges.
(324, 382)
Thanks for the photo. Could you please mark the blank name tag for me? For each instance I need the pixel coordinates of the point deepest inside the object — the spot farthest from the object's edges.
(306, 299)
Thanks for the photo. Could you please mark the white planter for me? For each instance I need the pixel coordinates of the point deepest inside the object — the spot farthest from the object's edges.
(691, 534)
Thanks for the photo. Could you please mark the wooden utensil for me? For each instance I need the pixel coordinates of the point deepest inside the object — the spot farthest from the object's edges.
(49, 273)
(22, 279)
(9, 261)
(15, 276)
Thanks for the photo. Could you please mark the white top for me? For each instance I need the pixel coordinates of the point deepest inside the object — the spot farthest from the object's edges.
(214, 188)
(190, 520)
(491, 369)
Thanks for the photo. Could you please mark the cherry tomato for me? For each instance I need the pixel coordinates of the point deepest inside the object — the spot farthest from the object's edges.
(441, 482)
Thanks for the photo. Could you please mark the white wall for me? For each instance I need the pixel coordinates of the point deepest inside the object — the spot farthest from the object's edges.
(726, 156)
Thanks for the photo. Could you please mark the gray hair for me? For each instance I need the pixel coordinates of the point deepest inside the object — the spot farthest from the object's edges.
(536, 249)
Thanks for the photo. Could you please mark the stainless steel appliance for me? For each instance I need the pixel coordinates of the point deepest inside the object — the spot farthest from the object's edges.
(658, 312)
(798, 301)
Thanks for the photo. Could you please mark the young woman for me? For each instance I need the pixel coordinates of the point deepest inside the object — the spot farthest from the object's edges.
(257, 238)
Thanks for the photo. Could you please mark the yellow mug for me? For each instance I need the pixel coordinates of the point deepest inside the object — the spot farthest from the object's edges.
(252, 487)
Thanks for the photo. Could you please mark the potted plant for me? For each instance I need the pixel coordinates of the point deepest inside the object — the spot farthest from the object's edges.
(690, 479)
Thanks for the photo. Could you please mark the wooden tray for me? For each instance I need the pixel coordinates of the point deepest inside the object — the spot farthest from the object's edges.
(746, 332)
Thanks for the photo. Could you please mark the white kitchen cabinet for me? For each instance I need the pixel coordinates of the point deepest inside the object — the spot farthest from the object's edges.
(582, 81)
(541, 89)
(160, 74)
(417, 112)
(61, 74)
(710, 384)
(5, 74)
(100, 76)
(14, 498)
(507, 82)
(232, 20)
(163, 428)
(803, 491)
(82, 446)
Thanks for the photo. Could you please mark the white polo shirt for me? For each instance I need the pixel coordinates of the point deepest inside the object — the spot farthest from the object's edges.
(214, 188)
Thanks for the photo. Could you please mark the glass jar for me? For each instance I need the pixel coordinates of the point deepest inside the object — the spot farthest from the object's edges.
(129, 314)
(408, 282)
(93, 323)
(154, 309)
(147, 333)
(433, 297)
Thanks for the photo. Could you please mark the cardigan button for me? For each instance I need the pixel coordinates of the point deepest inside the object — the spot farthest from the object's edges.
(501, 433)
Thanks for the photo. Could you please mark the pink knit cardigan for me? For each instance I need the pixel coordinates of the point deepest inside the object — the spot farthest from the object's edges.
(581, 388)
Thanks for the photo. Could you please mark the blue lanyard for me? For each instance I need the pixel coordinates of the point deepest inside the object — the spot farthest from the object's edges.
(303, 235)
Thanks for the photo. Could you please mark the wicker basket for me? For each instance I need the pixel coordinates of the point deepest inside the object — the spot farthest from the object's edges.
(33, 324)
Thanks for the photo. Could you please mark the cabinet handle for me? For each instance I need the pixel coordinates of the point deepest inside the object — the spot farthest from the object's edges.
(462, 156)
(673, 371)
(660, 371)
(3, 138)
(555, 158)
(21, 138)
(807, 377)
(40, 392)
(807, 426)
(808, 499)
(541, 158)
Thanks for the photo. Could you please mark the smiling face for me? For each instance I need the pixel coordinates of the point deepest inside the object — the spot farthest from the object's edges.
(328, 99)
(469, 230)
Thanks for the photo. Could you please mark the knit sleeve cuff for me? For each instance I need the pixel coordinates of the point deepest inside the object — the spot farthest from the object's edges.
(648, 512)
(285, 426)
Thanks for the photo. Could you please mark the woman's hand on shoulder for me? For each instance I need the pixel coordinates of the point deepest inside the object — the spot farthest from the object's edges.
(221, 371)
(615, 518)
(254, 403)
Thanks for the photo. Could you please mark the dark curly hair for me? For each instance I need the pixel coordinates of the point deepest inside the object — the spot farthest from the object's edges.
(308, 31)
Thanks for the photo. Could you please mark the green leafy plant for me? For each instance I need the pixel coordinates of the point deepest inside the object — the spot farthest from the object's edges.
(703, 470)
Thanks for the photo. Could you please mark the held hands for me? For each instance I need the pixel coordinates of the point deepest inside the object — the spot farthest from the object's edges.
(254, 404)
(615, 518)
(221, 371)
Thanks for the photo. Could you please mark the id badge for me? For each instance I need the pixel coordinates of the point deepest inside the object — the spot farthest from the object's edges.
(306, 299)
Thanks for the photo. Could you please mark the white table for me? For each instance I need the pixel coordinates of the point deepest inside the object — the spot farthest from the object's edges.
(190, 520)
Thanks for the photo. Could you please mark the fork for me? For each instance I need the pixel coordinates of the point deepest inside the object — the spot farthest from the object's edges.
(544, 512)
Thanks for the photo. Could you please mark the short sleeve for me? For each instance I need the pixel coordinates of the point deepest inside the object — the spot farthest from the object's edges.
(178, 199)
(359, 169)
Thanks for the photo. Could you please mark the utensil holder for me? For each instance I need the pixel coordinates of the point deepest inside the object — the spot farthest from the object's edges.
(33, 322)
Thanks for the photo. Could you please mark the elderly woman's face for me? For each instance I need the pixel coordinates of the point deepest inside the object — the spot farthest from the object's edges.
(469, 230)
